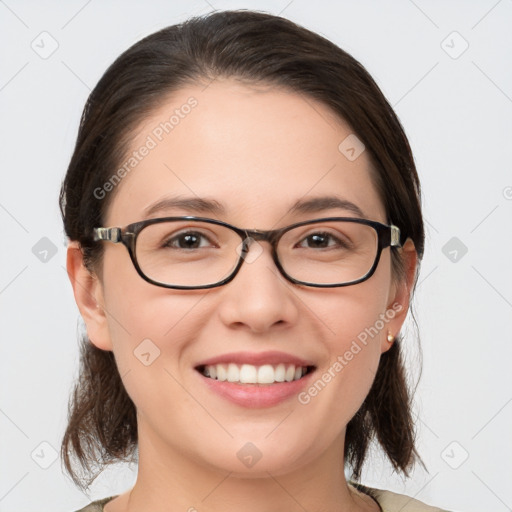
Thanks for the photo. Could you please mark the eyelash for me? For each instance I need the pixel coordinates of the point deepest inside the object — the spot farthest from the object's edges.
(167, 243)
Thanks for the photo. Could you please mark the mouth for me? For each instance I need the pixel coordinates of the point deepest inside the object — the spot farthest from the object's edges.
(265, 374)
(256, 380)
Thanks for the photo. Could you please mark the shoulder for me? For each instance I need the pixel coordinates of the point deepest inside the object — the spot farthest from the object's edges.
(96, 506)
(389, 501)
(393, 502)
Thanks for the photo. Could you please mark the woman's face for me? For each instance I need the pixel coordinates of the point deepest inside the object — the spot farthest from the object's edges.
(255, 152)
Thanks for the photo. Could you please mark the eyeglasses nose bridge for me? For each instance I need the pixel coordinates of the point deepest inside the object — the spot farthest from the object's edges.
(258, 236)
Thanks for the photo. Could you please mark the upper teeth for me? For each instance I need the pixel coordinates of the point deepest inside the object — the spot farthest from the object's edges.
(249, 374)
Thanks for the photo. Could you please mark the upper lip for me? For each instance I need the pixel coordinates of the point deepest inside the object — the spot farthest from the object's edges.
(256, 359)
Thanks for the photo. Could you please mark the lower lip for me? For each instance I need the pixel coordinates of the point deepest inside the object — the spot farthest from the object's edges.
(254, 396)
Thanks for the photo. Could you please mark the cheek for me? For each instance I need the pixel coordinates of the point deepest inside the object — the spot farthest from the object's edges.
(148, 325)
(354, 322)
(356, 315)
(353, 358)
(150, 335)
(155, 323)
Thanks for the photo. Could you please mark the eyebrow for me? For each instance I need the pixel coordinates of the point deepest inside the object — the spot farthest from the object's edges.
(191, 204)
(211, 206)
(318, 204)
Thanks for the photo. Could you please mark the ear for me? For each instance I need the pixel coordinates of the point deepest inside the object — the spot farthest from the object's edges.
(400, 295)
(88, 292)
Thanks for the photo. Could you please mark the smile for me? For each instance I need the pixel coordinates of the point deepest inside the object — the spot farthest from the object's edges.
(251, 374)
(256, 379)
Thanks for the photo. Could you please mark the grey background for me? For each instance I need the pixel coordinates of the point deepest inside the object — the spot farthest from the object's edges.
(456, 106)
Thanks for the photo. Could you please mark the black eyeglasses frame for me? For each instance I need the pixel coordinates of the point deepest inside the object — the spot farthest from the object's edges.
(387, 236)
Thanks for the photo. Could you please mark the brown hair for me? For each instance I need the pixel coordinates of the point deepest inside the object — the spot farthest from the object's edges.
(255, 48)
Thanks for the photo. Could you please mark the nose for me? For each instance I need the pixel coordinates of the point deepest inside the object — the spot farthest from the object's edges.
(258, 297)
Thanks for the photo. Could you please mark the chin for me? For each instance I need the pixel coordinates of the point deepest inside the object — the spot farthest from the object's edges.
(247, 459)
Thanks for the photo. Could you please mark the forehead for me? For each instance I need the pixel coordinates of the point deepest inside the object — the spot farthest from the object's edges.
(254, 150)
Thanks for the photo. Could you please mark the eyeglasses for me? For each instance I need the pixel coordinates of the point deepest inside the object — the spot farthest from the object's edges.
(190, 253)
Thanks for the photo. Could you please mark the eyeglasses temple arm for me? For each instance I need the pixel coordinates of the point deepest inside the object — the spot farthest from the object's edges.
(112, 234)
(395, 237)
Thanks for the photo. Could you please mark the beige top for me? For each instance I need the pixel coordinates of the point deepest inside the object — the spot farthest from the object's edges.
(387, 500)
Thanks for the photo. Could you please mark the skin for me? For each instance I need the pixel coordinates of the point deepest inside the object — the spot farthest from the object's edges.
(257, 151)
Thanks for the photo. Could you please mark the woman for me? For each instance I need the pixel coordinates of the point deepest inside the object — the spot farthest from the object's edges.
(245, 343)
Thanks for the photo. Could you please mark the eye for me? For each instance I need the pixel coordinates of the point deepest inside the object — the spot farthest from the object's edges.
(187, 240)
(323, 240)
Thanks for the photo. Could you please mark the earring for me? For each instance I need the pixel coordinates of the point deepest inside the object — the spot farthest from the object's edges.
(391, 338)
